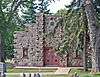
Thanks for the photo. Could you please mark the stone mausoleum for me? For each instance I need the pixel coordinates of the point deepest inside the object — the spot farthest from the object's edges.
(36, 46)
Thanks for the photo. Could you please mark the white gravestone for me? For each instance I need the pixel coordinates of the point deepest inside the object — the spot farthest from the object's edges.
(2, 69)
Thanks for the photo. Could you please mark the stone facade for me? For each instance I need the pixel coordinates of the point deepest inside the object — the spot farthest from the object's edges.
(36, 45)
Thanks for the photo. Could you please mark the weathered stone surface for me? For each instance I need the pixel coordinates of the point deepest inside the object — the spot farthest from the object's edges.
(2, 67)
(36, 45)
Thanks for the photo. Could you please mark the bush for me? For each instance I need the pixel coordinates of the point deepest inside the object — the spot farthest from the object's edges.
(9, 65)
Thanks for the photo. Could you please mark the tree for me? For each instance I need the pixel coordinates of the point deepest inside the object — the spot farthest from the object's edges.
(89, 8)
(43, 6)
(92, 23)
(85, 44)
(8, 14)
(74, 31)
(29, 12)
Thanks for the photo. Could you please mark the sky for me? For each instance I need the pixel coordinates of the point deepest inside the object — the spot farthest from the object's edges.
(55, 6)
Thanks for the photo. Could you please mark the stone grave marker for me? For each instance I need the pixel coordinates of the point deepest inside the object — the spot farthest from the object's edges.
(2, 69)
(37, 75)
(30, 75)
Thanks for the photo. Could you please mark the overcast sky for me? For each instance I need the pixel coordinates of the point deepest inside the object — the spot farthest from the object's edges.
(55, 6)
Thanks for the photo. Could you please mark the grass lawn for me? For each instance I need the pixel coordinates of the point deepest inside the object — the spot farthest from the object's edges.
(31, 70)
(80, 72)
(42, 76)
(13, 76)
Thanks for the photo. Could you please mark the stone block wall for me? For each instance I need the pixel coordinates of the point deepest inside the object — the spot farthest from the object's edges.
(30, 45)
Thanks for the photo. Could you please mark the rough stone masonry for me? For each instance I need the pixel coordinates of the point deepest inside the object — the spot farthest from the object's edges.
(36, 46)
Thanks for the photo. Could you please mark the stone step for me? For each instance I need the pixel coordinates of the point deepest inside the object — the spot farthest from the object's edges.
(63, 70)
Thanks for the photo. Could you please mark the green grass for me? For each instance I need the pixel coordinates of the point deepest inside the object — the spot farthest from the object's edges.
(34, 70)
(30, 70)
(42, 76)
(13, 76)
(55, 75)
(80, 72)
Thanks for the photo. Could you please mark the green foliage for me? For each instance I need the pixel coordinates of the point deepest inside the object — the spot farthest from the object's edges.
(74, 28)
(62, 12)
(8, 42)
(77, 4)
(29, 11)
(43, 6)
(14, 14)
(8, 19)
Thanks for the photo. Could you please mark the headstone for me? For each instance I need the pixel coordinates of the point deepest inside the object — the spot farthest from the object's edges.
(34, 75)
(29, 75)
(24, 75)
(37, 75)
(2, 69)
(76, 75)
